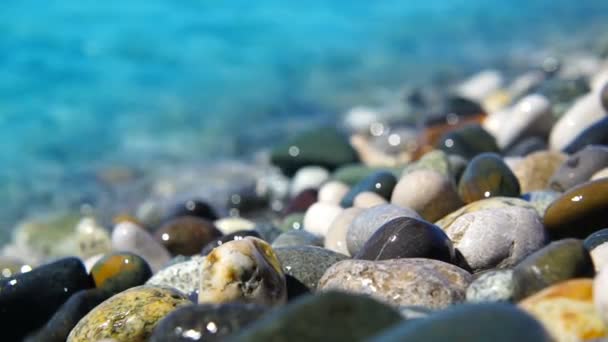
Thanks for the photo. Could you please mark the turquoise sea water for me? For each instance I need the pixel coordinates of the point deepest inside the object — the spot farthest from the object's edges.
(86, 83)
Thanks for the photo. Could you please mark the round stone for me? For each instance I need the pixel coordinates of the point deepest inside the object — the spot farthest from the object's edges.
(487, 176)
(120, 271)
(468, 141)
(583, 113)
(295, 238)
(492, 286)
(400, 282)
(128, 316)
(193, 207)
(489, 203)
(308, 177)
(497, 238)
(536, 169)
(368, 199)
(129, 237)
(370, 220)
(579, 167)
(238, 235)
(579, 212)
(319, 217)
(406, 237)
(229, 225)
(307, 263)
(187, 235)
(335, 239)
(333, 192)
(301, 202)
(380, 182)
(427, 192)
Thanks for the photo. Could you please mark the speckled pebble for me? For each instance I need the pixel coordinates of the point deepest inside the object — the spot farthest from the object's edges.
(307, 263)
(492, 286)
(184, 276)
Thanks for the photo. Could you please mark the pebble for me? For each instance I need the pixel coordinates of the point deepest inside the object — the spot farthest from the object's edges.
(295, 238)
(333, 192)
(596, 134)
(586, 111)
(579, 167)
(468, 141)
(559, 261)
(497, 238)
(536, 169)
(489, 203)
(193, 207)
(526, 146)
(29, 300)
(129, 237)
(368, 199)
(600, 295)
(487, 176)
(492, 286)
(229, 225)
(92, 238)
(128, 316)
(183, 276)
(400, 282)
(567, 311)
(206, 322)
(308, 177)
(429, 193)
(335, 239)
(301, 202)
(186, 235)
(330, 316)
(307, 263)
(541, 200)
(434, 160)
(471, 323)
(369, 221)
(120, 271)
(603, 173)
(597, 245)
(380, 182)
(242, 270)
(319, 217)
(238, 235)
(579, 212)
(480, 85)
(406, 237)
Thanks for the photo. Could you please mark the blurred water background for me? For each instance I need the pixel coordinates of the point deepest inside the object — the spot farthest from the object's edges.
(86, 84)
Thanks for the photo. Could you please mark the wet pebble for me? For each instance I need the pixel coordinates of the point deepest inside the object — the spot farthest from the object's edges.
(536, 169)
(183, 276)
(487, 176)
(296, 238)
(120, 271)
(335, 239)
(301, 202)
(319, 217)
(307, 263)
(186, 235)
(380, 182)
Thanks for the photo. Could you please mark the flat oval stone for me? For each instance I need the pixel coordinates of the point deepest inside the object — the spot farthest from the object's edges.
(128, 316)
(468, 141)
(319, 217)
(380, 182)
(567, 311)
(406, 237)
(472, 323)
(295, 238)
(489, 203)
(370, 220)
(183, 276)
(29, 300)
(315, 318)
(229, 225)
(600, 296)
(492, 286)
(244, 270)
(193, 207)
(579, 167)
(536, 169)
(584, 112)
(120, 271)
(579, 212)
(400, 282)
(301, 202)
(307, 263)
(238, 235)
(497, 238)
(556, 262)
(333, 192)
(429, 193)
(129, 237)
(308, 178)
(596, 134)
(335, 240)
(487, 176)
(206, 322)
(186, 235)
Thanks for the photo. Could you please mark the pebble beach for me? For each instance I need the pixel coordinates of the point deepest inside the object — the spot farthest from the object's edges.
(465, 206)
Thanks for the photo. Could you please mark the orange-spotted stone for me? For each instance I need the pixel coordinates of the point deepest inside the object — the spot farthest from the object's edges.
(120, 271)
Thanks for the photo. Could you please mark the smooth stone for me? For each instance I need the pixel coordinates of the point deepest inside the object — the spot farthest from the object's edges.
(368, 199)
(335, 239)
(292, 222)
(400, 282)
(457, 165)
(468, 141)
(380, 182)
(330, 316)
(352, 174)
(369, 221)
(579, 212)
(183, 276)
(579, 167)
(603, 173)
(325, 147)
(536, 169)
(308, 177)
(406, 237)
(481, 85)
(307, 263)
(238, 235)
(567, 311)
(319, 217)
(596, 134)
(558, 261)
(586, 111)
(429, 193)
(471, 323)
(497, 238)
(526, 146)
(68, 315)
(295, 238)
(434, 160)
(120, 271)
(186, 235)
(246, 270)
(487, 176)
(207, 322)
(596, 239)
(597, 245)
(193, 207)
(489, 203)
(301, 202)
(128, 316)
(29, 300)
(333, 192)
(129, 237)
(92, 238)
(600, 295)
(492, 286)
(541, 200)
(229, 225)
